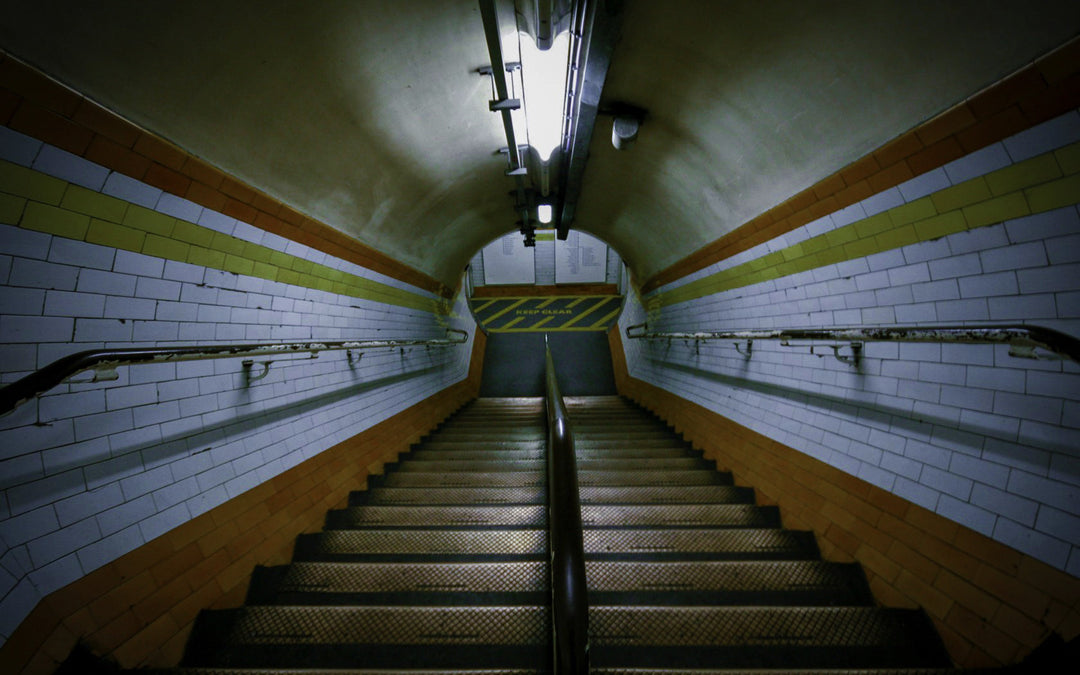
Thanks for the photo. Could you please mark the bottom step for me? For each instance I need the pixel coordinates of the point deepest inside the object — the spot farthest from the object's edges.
(603, 671)
(518, 637)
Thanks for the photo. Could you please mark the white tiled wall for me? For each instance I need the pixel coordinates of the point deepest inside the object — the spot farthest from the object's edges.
(90, 471)
(985, 439)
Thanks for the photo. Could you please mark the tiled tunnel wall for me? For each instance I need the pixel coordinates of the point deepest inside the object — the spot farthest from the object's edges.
(992, 602)
(91, 258)
(980, 446)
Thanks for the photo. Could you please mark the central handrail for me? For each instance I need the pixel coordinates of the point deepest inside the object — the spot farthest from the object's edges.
(40, 381)
(569, 599)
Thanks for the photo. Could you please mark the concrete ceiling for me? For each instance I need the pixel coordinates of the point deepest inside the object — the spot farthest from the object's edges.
(370, 117)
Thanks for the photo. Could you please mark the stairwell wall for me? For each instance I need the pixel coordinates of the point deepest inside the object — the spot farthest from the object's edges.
(950, 471)
(93, 474)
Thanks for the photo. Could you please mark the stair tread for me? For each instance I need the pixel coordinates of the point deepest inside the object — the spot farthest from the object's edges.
(584, 464)
(689, 542)
(593, 515)
(609, 626)
(696, 494)
(527, 478)
(595, 671)
(788, 578)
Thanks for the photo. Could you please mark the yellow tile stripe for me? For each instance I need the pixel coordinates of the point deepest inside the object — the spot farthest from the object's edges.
(36, 201)
(1036, 185)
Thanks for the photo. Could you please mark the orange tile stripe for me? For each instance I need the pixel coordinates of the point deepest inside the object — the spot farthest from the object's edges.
(36, 105)
(991, 604)
(1039, 92)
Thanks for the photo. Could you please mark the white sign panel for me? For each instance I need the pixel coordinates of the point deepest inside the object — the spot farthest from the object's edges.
(508, 261)
(580, 259)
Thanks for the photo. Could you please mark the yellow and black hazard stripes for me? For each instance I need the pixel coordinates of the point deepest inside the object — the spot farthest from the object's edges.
(547, 314)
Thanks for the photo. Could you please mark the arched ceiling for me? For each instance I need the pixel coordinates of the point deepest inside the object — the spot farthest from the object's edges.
(369, 115)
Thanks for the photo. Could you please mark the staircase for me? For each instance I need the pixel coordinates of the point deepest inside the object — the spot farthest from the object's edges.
(441, 566)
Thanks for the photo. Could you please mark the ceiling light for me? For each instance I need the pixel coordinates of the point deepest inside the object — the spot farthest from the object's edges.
(543, 213)
(544, 90)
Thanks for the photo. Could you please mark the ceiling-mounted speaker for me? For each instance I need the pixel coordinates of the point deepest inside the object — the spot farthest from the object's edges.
(624, 131)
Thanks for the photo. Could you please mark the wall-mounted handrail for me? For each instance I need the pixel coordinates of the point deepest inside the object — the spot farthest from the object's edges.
(106, 360)
(569, 599)
(1023, 339)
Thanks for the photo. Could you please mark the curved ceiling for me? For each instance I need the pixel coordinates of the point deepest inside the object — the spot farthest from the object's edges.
(370, 117)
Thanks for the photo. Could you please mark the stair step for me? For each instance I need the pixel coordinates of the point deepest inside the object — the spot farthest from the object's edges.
(480, 517)
(541, 454)
(680, 515)
(396, 583)
(790, 583)
(700, 544)
(377, 636)
(422, 545)
(598, 443)
(518, 636)
(416, 465)
(594, 671)
(437, 443)
(437, 516)
(480, 434)
(696, 494)
(528, 478)
(600, 544)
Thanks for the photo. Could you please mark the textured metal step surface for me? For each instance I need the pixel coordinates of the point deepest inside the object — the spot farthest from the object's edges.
(500, 463)
(481, 455)
(594, 671)
(495, 464)
(448, 545)
(396, 583)
(461, 496)
(809, 582)
(677, 477)
(626, 516)
(437, 516)
(489, 444)
(377, 636)
(462, 479)
(619, 636)
(697, 494)
(762, 637)
(669, 442)
(484, 435)
(698, 544)
(724, 493)
(640, 583)
(680, 515)
(688, 544)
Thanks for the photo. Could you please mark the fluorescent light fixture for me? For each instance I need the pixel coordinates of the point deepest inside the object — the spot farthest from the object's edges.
(544, 90)
(543, 213)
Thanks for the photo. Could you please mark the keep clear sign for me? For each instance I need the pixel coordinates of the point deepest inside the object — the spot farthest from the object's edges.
(580, 259)
(508, 261)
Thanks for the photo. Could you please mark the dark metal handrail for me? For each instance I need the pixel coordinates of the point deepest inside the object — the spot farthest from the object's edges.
(106, 360)
(569, 599)
(1023, 339)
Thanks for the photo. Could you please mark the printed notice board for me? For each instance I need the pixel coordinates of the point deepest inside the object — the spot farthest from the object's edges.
(508, 261)
(580, 259)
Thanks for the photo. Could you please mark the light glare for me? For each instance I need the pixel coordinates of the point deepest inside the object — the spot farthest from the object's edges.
(543, 213)
(544, 84)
